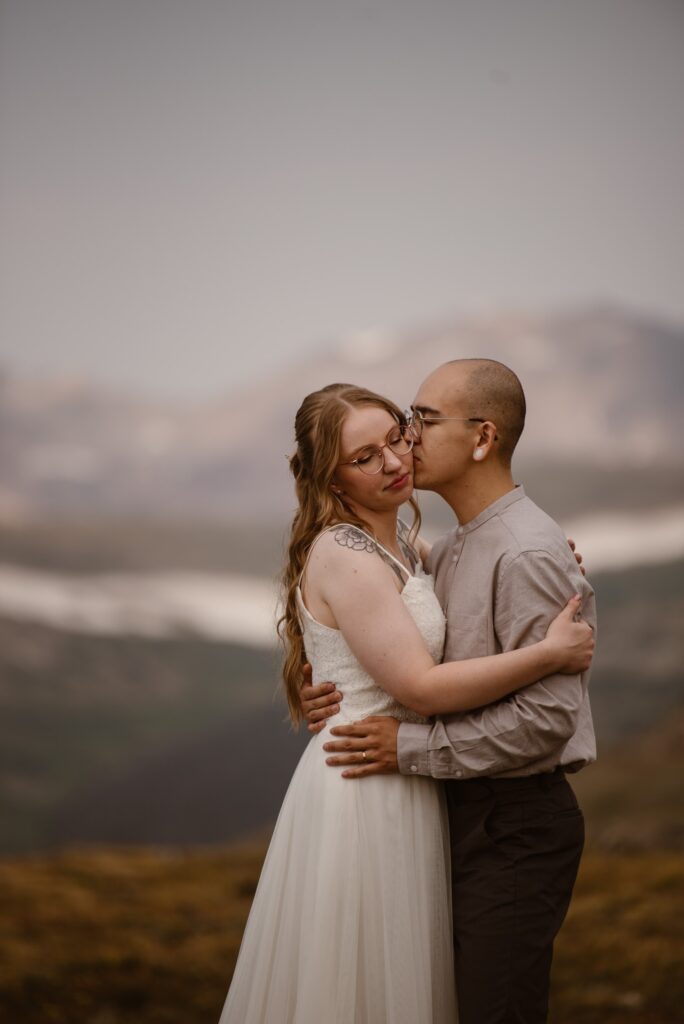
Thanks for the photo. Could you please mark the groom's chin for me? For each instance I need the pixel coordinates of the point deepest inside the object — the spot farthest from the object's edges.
(419, 481)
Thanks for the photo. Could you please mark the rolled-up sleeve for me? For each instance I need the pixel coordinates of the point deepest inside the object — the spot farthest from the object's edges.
(527, 731)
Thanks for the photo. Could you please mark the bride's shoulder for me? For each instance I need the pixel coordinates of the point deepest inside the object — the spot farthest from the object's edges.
(343, 537)
(344, 549)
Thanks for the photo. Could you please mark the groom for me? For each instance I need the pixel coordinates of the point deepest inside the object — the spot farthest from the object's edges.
(501, 575)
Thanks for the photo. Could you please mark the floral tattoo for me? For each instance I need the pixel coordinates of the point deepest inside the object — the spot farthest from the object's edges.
(351, 537)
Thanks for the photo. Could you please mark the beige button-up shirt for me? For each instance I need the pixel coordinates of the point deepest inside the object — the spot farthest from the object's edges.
(500, 579)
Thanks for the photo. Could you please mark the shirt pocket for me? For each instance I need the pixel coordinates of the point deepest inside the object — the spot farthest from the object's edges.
(469, 636)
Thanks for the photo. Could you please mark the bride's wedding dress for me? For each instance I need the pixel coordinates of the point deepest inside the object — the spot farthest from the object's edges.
(351, 920)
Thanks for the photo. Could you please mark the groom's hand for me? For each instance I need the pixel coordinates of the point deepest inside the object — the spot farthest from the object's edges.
(376, 737)
(318, 702)
(578, 556)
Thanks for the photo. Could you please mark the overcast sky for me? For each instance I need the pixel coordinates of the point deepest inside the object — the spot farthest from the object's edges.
(192, 192)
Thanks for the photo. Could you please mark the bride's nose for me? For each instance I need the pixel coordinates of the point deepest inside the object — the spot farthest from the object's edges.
(392, 461)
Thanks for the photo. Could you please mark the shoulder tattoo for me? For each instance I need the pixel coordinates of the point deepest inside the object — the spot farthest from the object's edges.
(352, 537)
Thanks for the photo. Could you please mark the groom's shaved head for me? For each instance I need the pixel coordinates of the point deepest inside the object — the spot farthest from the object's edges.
(493, 392)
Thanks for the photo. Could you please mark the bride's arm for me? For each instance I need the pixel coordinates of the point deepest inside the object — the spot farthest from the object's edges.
(368, 609)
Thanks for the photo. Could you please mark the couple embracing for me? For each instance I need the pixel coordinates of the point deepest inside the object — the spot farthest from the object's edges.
(386, 896)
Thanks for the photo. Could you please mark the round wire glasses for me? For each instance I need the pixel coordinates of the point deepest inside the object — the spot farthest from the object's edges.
(416, 420)
(371, 459)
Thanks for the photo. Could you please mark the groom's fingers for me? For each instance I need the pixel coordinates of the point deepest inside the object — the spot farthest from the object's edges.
(578, 556)
(319, 692)
(375, 768)
(327, 701)
(350, 749)
(359, 729)
(320, 716)
(356, 759)
(346, 746)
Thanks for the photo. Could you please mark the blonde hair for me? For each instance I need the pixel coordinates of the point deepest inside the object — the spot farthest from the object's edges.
(318, 426)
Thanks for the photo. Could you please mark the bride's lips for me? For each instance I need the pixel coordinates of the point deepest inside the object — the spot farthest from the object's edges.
(400, 482)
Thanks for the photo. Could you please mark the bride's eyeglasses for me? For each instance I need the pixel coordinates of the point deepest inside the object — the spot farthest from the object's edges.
(371, 460)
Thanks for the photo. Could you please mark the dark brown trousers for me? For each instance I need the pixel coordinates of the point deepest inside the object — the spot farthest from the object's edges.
(515, 850)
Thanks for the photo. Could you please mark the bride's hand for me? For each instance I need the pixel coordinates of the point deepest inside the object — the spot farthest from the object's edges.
(572, 642)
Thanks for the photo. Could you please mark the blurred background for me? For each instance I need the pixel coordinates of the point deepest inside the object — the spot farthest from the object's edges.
(208, 211)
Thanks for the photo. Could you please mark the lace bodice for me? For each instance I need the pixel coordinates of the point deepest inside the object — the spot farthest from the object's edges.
(332, 659)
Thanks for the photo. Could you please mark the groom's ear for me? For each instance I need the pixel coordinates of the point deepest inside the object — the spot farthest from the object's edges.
(487, 438)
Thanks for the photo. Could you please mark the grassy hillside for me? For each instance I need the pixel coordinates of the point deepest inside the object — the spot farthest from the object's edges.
(127, 739)
(107, 937)
(637, 676)
(632, 796)
(78, 712)
(115, 741)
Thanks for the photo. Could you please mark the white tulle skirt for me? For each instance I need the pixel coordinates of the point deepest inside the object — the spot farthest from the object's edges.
(351, 920)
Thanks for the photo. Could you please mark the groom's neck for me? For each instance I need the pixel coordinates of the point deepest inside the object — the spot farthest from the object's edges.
(477, 491)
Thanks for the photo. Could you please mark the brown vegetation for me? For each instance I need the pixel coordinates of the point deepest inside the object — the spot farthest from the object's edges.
(107, 936)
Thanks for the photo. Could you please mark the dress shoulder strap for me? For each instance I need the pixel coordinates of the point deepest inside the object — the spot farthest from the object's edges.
(352, 541)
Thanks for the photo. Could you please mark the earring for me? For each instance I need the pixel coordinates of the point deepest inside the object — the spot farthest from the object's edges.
(478, 454)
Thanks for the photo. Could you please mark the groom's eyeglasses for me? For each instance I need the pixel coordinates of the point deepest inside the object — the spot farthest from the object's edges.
(371, 460)
(416, 420)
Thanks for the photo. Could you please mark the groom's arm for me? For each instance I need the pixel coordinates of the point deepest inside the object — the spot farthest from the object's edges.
(527, 731)
(323, 701)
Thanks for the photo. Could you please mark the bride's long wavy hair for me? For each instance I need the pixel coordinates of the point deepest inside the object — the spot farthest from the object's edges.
(318, 426)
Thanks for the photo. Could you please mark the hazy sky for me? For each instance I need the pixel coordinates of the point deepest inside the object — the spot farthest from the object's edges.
(191, 192)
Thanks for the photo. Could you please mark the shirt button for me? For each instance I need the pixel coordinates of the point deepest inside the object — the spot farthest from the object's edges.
(459, 773)
(414, 767)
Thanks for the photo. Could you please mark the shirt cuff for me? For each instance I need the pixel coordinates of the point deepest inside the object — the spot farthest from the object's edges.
(412, 748)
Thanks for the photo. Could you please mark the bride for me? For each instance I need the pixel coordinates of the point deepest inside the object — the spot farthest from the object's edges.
(351, 920)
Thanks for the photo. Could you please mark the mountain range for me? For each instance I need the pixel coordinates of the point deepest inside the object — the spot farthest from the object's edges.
(604, 402)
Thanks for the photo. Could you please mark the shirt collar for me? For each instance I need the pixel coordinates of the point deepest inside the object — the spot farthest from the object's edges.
(509, 498)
